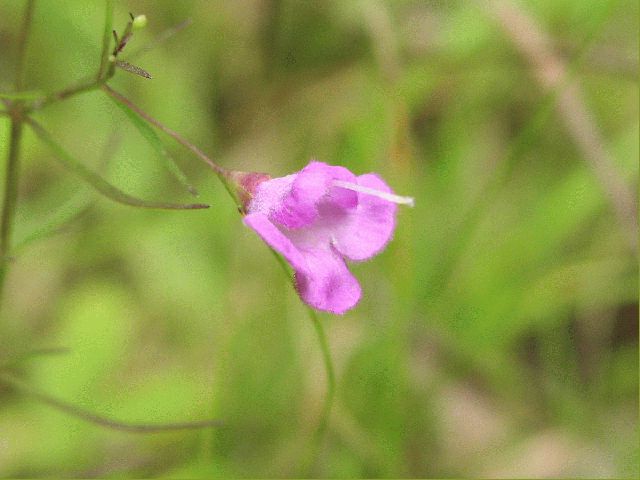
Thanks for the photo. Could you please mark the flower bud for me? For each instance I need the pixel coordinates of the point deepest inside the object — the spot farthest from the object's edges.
(139, 22)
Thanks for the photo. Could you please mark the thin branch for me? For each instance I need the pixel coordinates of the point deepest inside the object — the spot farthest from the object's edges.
(150, 135)
(223, 174)
(97, 182)
(10, 197)
(173, 134)
(22, 45)
(82, 87)
(552, 74)
(101, 420)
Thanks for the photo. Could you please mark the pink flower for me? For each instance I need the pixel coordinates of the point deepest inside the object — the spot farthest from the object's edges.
(320, 217)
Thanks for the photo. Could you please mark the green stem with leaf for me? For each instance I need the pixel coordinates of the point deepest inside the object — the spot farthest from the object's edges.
(17, 110)
(223, 175)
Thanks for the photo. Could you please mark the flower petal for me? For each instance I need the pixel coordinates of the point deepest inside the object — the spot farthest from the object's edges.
(298, 207)
(337, 197)
(327, 284)
(323, 280)
(269, 194)
(311, 188)
(276, 240)
(370, 225)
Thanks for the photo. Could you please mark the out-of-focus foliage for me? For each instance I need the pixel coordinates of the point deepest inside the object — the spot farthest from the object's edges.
(498, 333)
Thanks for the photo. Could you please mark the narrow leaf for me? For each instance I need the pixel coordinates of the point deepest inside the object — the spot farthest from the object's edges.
(154, 140)
(97, 182)
(141, 72)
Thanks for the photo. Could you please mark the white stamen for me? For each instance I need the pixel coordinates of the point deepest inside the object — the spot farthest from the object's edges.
(390, 197)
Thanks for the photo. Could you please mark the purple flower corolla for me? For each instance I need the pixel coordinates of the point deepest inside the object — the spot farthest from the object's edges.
(320, 217)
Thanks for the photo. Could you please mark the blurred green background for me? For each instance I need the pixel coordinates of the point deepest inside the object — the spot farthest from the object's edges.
(498, 332)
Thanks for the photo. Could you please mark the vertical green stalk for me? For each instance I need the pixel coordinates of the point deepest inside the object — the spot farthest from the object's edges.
(106, 40)
(319, 435)
(309, 461)
(12, 168)
(22, 45)
(10, 196)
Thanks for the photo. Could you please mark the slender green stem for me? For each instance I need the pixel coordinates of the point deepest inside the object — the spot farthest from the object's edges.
(12, 168)
(106, 40)
(310, 460)
(328, 401)
(10, 198)
(221, 172)
(101, 420)
(150, 135)
(87, 86)
(22, 45)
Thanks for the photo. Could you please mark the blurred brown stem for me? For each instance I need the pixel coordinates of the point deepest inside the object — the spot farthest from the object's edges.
(551, 73)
